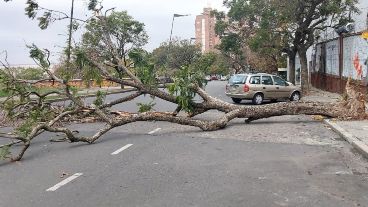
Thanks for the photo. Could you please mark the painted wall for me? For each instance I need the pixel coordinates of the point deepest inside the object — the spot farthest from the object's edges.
(354, 47)
(332, 58)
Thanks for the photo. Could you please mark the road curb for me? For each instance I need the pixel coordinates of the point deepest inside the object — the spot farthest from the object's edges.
(355, 142)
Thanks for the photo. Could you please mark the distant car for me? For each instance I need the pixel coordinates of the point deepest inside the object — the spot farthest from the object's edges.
(208, 78)
(214, 77)
(259, 87)
(224, 78)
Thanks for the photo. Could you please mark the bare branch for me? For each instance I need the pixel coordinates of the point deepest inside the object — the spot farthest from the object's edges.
(121, 100)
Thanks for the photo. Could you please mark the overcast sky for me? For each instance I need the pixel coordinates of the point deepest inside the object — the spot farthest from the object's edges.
(17, 30)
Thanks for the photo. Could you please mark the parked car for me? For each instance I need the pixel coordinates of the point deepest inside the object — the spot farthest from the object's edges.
(224, 78)
(208, 78)
(259, 87)
(214, 77)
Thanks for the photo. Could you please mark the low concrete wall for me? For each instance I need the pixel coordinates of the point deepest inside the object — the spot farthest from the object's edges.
(77, 83)
(333, 83)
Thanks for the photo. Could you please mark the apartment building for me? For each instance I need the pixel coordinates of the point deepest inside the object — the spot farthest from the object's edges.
(205, 31)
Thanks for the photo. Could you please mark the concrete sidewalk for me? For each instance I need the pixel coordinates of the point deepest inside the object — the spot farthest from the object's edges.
(354, 132)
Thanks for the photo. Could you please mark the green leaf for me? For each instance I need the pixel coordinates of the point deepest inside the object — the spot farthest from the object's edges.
(40, 56)
(4, 152)
(26, 127)
(45, 20)
(100, 98)
(31, 9)
(92, 4)
(146, 107)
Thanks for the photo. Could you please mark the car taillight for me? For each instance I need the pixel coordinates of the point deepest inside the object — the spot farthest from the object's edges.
(246, 88)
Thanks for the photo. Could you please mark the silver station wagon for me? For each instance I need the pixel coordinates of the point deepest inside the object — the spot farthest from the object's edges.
(259, 87)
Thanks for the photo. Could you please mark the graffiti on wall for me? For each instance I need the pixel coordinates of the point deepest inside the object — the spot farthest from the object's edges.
(358, 67)
(355, 54)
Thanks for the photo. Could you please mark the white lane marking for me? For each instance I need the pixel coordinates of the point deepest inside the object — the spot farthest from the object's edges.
(121, 149)
(64, 182)
(154, 131)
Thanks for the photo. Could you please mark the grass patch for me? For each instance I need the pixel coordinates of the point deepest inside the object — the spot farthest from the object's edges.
(3, 93)
(46, 90)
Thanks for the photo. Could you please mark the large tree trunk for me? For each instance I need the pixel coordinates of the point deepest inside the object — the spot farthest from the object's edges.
(305, 84)
(292, 67)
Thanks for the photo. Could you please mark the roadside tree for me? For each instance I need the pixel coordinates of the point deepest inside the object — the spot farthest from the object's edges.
(172, 56)
(272, 27)
(126, 33)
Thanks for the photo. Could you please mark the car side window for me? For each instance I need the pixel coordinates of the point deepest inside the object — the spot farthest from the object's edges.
(255, 80)
(267, 80)
(279, 81)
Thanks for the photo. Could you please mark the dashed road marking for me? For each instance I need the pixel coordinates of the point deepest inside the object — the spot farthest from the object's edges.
(121, 149)
(154, 131)
(64, 182)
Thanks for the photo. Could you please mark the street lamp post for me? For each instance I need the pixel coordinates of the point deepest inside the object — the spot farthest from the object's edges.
(172, 23)
(171, 32)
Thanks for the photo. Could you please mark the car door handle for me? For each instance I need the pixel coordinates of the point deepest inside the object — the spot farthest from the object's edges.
(264, 87)
(277, 87)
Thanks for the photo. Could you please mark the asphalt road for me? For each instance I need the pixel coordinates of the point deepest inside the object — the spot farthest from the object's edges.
(280, 161)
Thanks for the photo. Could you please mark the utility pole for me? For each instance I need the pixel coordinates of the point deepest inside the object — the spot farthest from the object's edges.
(70, 36)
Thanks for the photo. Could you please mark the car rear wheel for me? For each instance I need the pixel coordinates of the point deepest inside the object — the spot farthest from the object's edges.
(258, 99)
(236, 100)
(295, 96)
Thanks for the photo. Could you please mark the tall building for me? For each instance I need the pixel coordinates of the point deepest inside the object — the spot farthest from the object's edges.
(205, 31)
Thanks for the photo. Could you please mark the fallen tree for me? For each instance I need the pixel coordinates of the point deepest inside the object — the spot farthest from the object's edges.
(37, 114)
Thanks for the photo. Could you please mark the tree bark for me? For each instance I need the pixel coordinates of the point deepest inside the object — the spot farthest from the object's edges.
(120, 74)
(292, 67)
(305, 84)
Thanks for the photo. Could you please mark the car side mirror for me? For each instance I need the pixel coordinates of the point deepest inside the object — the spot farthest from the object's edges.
(286, 84)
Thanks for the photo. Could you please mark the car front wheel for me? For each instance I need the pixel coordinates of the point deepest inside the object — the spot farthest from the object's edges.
(295, 96)
(258, 99)
(236, 100)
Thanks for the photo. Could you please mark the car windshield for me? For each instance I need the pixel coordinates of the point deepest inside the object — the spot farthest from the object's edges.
(237, 79)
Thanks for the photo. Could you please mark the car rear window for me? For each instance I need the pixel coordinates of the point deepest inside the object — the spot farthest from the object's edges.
(237, 79)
